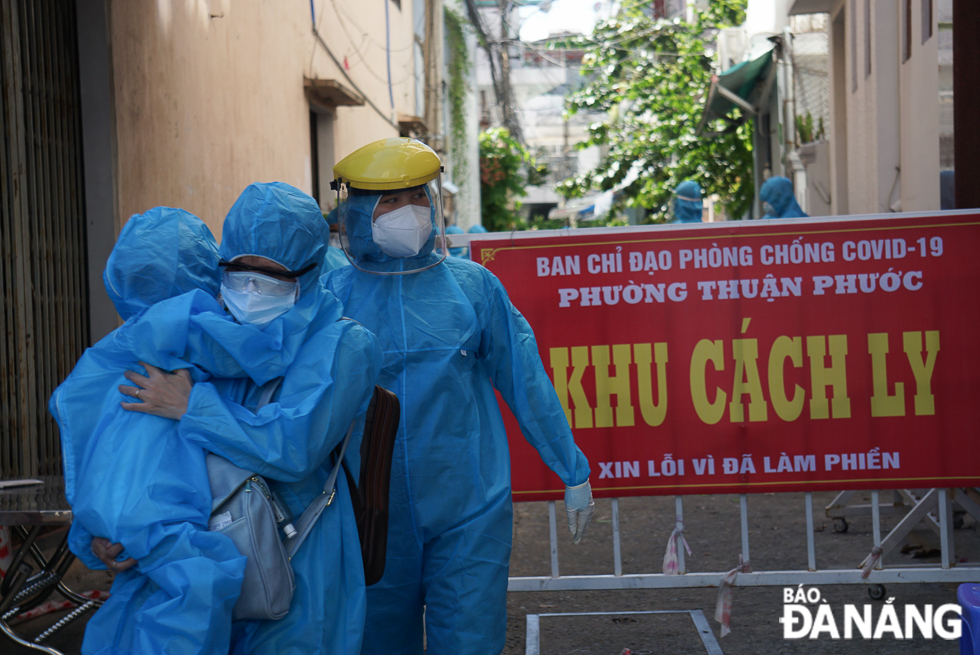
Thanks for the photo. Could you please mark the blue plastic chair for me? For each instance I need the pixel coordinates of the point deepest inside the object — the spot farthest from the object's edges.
(968, 596)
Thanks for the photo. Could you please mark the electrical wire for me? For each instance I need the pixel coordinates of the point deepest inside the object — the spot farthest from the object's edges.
(590, 69)
(350, 80)
(410, 75)
(391, 92)
(366, 34)
(614, 43)
(365, 38)
(343, 72)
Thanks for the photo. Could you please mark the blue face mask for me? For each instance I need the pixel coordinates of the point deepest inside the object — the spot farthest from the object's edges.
(255, 308)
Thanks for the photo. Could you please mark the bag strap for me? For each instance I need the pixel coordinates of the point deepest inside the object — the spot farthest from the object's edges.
(312, 513)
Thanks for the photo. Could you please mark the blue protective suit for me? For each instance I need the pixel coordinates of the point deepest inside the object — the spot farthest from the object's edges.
(291, 439)
(688, 211)
(447, 332)
(127, 476)
(456, 252)
(778, 192)
(334, 257)
(476, 229)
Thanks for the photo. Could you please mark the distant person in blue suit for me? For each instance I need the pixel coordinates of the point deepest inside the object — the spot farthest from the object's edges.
(334, 256)
(449, 193)
(476, 229)
(687, 202)
(778, 200)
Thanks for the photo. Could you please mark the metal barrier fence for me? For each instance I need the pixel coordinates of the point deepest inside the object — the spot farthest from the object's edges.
(934, 506)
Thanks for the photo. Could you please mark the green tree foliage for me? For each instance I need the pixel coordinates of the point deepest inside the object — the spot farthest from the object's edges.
(507, 168)
(652, 78)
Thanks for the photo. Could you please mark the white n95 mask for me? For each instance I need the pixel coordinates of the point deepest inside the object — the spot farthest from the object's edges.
(255, 308)
(403, 232)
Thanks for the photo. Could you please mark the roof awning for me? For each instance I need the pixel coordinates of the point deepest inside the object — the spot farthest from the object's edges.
(746, 85)
(330, 94)
(811, 7)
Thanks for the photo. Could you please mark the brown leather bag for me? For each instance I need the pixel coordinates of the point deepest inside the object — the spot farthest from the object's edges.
(370, 497)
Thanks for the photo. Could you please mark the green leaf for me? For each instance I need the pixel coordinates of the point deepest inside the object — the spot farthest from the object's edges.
(652, 76)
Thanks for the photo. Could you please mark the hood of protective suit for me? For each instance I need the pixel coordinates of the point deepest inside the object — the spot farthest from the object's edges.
(688, 211)
(279, 222)
(778, 192)
(160, 254)
(456, 252)
(358, 219)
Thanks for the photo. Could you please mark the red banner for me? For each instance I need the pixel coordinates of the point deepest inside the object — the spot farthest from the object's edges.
(755, 357)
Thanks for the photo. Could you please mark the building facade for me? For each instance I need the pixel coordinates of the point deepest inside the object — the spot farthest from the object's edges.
(112, 107)
(890, 83)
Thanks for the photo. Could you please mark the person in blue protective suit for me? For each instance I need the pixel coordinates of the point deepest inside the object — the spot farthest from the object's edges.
(449, 193)
(778, 200)
(276, 233)
(180, 597)
(688, 207)
(476, 229)
(334, 256)
(274, 238)
(450, 337)
(456, 252)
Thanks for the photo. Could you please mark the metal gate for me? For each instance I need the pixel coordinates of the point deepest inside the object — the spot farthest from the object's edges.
(44, 301)
(870, 571)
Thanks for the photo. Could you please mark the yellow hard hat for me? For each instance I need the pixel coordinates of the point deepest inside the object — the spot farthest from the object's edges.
(388, 164)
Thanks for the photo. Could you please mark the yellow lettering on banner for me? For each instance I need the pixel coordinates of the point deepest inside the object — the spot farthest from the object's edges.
(558, 358)
(653, 413)
(746, 381)
(707, 351)
(565, 384)
(883, 404)
(822, 377)
(925, 402)
(826, 357)
(612, 385)
(784, 348)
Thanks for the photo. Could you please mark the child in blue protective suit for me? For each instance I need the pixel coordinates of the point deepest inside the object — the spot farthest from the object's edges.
(273, 234)
(130, 478)
(289, 440)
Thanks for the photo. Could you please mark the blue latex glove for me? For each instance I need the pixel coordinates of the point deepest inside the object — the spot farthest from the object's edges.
(580, 507)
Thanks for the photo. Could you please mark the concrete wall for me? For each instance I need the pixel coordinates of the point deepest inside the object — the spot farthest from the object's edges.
(862, 154)
(209, 94)
(920, 119)
(885, 46)
(884, 125)
(101, 220)
(837, 47)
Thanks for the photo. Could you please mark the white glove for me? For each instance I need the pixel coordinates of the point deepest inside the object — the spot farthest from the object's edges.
(580, 508)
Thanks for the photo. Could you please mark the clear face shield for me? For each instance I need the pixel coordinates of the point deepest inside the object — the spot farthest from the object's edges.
(394, 231)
